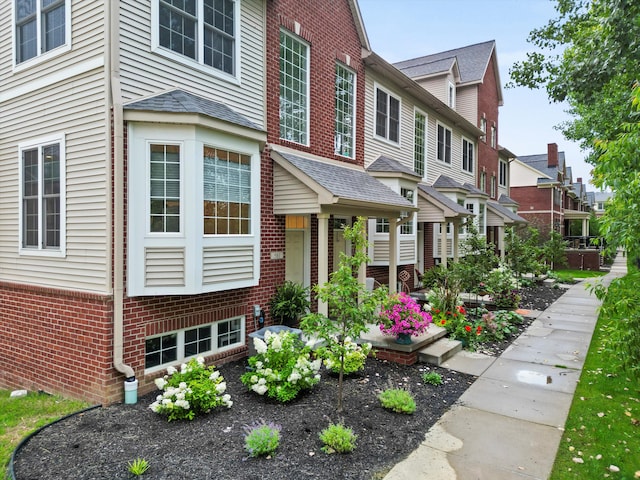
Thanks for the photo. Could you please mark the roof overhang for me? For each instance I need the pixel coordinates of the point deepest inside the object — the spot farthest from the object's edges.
(499, 215)
(437, 208)
(305, 184)
(576, 215)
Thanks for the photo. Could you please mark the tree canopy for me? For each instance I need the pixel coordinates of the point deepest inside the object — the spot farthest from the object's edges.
(589, 56)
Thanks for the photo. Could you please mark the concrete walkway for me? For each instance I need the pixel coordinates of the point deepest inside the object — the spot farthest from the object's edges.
(509, 423)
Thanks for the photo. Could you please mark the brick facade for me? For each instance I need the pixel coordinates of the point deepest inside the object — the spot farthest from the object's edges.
(488, 107)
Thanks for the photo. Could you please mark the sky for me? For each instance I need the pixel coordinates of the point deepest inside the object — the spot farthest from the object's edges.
(403, 29)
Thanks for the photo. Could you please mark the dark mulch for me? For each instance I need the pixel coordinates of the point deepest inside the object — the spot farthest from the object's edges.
(98, 444)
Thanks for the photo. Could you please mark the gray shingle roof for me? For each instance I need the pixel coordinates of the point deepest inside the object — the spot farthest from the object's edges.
(541, 163)
(472, 62)
(506, 200)
(179, 101)
(427, 68)
(386, 164)
(346, 182)
(444, 200)
(474, 190)
(444, 181)
(505, 212)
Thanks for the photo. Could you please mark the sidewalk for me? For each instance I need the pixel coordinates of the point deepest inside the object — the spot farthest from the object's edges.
(509, 423)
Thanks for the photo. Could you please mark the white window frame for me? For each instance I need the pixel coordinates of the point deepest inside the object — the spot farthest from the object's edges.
(198, 62)
(451, 96)
(423, 160)
(191, 238)
(492, 192)
(483, 181)
(306, 95)
(179, 233)
(387, 116)
(468, 150)
(180, 343)
(339, 132)
(447, 146)
(483, 127)
(408, 228)
(503, 173)
(494, 136)
(40, 56)
(38, 143)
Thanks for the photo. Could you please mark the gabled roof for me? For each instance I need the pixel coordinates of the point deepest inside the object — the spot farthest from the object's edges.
(444, 202)
(507, 215)
(445, 182)
(180, 101)
(474, 191)
(437, 67)
(472, 60)
(388, 165)
(337, 184)
(506, 200)
(541, 163)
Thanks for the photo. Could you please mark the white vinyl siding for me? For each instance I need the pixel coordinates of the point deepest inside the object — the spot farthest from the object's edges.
(144, 71)
(194, 259)
(70, 102)
(404, 151)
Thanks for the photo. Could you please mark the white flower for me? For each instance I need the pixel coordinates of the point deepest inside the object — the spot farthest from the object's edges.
(226, 398)
(259, 389)
(276, 344)
(182, 385)
(171, 370)
(260, 345)
(221, 387)
(214, 375)
(262, 381)
(183, 368)
(229, 403)
(254, 379)
(200, 360)
(155, 407)
(258, 365)
(160, 383)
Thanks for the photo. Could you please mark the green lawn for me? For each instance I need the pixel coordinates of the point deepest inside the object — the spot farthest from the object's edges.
(20, 416)
(567, 276)
(602, 433)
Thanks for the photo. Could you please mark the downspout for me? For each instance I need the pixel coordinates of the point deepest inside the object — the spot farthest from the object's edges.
(117, 159)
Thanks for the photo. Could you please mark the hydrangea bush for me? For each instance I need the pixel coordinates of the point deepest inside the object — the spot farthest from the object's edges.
(403, 315)
(282, 367)
(355, 356)
(193, 390)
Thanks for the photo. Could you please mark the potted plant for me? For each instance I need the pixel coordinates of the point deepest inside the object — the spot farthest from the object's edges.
(289, 302)
(403, 318)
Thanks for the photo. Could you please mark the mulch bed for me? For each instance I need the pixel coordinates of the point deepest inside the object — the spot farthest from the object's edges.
(98, 444)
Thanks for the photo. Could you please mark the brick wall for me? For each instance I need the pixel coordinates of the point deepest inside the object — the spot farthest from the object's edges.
(488, 106)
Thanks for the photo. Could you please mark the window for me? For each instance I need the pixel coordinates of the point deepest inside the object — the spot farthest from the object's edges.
(483, 182)
(481, 221)
(382, 225)
(180, 345)
(483, 127)
(202, 30)
(444, 144)
(41, 26)
(407, 228)
(503, 174)
(492, 194)
(294, 89)
(164, 188)
(600, 205)
(226, 192)
(42, 196)
(467, 155)
(387, 116)
(451, 96)
(494, 137)
(419, 143)
(345, 111)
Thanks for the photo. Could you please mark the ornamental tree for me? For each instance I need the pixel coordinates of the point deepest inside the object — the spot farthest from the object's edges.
(351, 306)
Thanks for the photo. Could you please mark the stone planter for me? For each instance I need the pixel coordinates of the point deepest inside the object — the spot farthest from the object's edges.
(273, 329)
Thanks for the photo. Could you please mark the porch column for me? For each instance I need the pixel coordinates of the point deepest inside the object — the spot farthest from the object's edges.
(585, 227)
(443, 244)
(501, 242)
(454, 243)
(393, 254)
(323, 257)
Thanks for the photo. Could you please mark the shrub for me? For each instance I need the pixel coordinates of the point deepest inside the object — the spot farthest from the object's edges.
(403, 315)
(398, 400)
(282, 367)
(500, 325)
(261, 438)
(289, 301)
(503, 288)
(193, 390)
(432, 378)
(338, 438)
(355, 356)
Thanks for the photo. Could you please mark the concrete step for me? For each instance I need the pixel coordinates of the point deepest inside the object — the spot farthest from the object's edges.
(439, 351)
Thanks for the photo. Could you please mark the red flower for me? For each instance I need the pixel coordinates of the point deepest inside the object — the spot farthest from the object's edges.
(437, 311)
(461, 310)
(479, 330)
(443, 322)
(467, 328)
